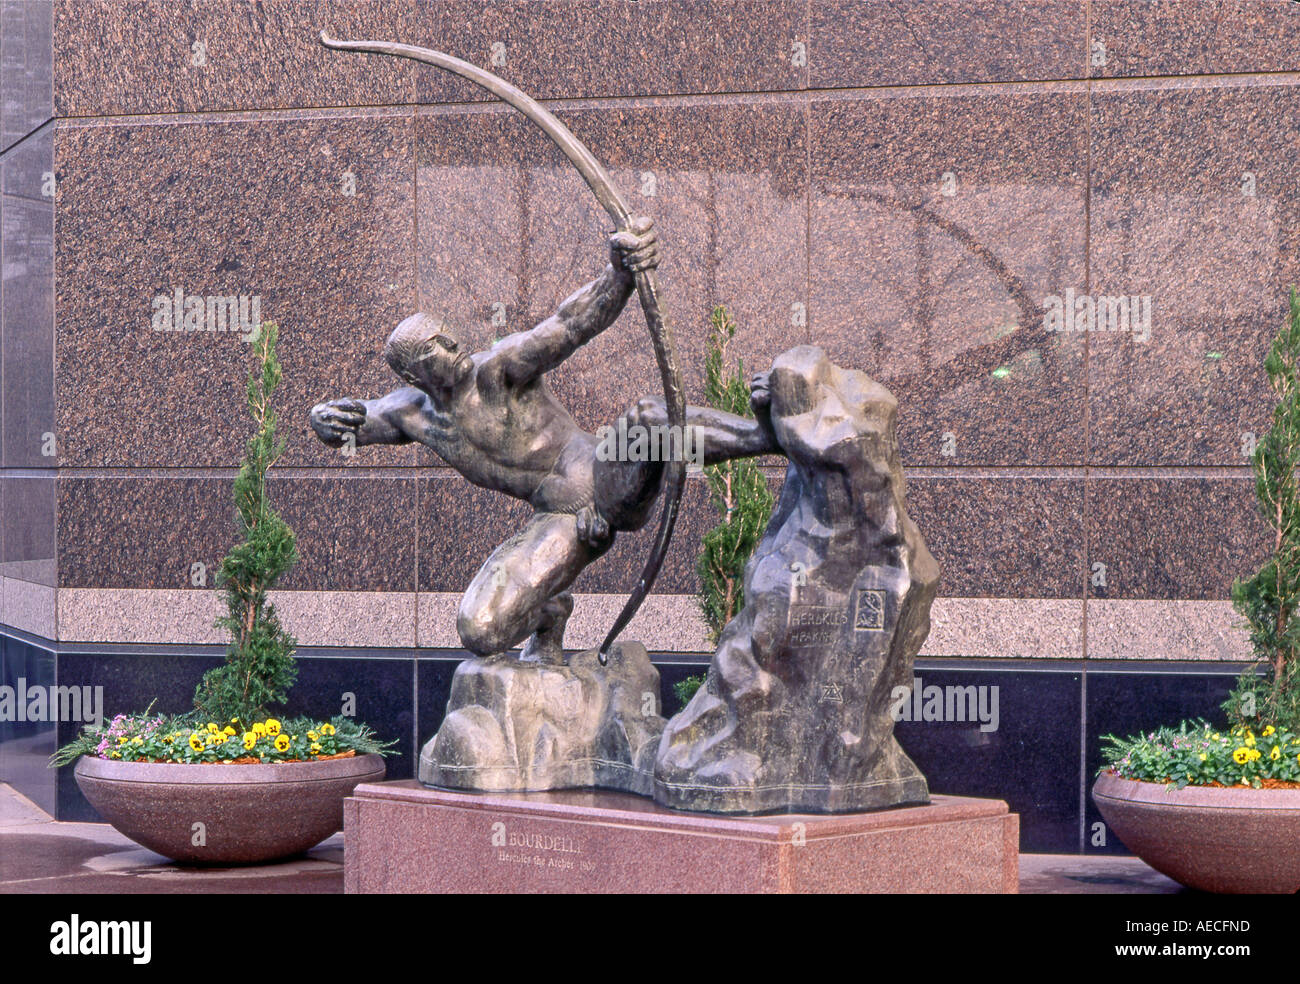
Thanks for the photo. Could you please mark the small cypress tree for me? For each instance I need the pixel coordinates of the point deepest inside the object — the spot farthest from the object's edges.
(1268, 600)
(737, 489)
(259, 667)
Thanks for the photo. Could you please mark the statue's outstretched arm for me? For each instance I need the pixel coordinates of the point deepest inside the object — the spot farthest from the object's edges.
(717, 435)
(723, 436)
(391, 419)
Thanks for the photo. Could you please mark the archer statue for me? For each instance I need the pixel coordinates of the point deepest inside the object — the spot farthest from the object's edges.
(795, 714)
(493, 417)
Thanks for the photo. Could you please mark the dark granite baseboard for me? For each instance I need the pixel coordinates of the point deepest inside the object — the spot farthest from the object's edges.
(1039, 752)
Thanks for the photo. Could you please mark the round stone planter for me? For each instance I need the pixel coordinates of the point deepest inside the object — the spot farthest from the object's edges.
(1235, 840)
(249, 813)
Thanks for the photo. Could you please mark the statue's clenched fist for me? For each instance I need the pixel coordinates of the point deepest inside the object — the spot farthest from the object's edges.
(334, 420)
(636, 248)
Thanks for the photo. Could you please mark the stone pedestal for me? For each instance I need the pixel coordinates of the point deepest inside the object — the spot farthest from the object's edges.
(403, 837)
(514, 725)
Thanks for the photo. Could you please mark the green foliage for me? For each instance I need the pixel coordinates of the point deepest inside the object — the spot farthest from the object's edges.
(685, 689)
(230, 721)
(1268, 600)
(1197, 755)
(259, 667)
(737, 489)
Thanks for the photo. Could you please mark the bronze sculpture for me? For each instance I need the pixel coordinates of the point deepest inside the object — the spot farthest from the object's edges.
(794, 714)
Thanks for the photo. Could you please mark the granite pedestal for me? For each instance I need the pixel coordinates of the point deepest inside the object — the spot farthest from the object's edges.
(403, 837)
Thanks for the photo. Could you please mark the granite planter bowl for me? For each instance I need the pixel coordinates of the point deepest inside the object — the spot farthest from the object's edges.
(250, 813)
(1238, 840)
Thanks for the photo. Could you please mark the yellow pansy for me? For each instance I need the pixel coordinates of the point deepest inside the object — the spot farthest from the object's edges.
(259, 729)
(1241, 756)
(250, 739)
(122, 740)
(227, 730)
(312, 736)
(1250, 740)
(1203, 756)
(272, 726)
(327, 728)
(137, 740)
(196, 742)
(212, 728)
(282, 743)
(315, 748)
(1269, 731)
(1275, 754)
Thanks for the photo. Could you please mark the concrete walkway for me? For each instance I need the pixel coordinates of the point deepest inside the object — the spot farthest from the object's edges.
(38, 855)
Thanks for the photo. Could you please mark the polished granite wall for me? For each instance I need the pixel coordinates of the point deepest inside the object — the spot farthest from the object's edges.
(908, 185)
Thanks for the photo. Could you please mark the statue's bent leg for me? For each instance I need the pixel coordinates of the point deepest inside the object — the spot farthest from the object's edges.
(546, 644)
(626, 482)
(514, 593)
(626, 492)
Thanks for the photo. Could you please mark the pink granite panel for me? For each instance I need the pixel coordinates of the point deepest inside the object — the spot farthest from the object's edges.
(401, 837)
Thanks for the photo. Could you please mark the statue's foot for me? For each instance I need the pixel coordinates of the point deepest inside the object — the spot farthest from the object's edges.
(546, 645)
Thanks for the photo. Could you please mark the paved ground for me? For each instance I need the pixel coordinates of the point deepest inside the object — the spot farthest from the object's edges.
(38, 855)
(1075, 874)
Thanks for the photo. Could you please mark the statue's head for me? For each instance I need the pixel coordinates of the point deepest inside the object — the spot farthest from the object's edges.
(425, 353)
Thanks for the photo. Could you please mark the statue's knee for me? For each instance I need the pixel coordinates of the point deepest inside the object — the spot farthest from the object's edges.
(480, 632)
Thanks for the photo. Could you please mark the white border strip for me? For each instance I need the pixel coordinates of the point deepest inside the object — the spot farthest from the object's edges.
(1031, 628)
(1161, 630)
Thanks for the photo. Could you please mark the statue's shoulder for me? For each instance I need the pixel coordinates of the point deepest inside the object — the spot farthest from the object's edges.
(487, 372)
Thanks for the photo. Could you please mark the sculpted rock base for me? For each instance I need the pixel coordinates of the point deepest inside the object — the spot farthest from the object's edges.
(516, 726)
(794, 715)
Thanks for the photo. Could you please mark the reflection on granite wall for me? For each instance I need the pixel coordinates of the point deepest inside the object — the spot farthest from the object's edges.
(26, 68)
(832, 171)
(1061, 231)
(28, 439)
(27, 741)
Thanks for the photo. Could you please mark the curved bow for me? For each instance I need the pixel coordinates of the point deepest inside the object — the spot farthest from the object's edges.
(647, 284)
